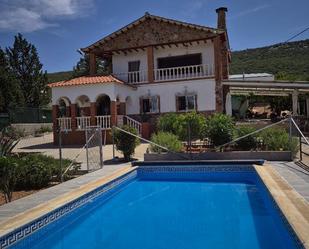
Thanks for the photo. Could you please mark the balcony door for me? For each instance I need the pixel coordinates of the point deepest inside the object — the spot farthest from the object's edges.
(133, 69)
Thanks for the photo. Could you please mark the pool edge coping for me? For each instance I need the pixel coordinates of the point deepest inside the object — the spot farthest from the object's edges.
(293, 206)
(40, 210)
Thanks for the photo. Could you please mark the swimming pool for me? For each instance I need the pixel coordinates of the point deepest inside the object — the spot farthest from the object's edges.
(179, 206)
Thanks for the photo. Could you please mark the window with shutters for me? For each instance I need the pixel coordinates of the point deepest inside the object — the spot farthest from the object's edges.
(150, 104)
(186, 102)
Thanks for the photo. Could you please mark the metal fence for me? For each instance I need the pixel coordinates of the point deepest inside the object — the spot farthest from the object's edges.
(30, 115)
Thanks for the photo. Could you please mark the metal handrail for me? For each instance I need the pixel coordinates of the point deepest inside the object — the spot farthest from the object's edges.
(147, 141)
(251, 133)
(300, 132)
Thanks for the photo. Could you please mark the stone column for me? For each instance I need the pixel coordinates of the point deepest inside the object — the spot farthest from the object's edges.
(73, 116)
(92, 64)
(93, 113)
(218, 74)
(295, 102)
(113, 113)
(150, 64)
(228, 104)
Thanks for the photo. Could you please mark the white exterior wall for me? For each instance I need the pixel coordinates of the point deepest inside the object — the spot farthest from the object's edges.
(120, 61)
(204, 88)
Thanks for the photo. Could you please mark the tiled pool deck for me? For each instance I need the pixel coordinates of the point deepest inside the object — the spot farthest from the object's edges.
(292, 204)
(20, 206)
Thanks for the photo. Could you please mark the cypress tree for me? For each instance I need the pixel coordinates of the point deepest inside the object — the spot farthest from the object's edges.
(26, 66)
(10, 92)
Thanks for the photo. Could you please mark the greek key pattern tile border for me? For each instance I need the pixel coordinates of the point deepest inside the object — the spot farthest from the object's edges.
(26, 230)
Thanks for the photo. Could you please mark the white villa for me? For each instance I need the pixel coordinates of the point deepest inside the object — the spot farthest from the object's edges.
(158, 65)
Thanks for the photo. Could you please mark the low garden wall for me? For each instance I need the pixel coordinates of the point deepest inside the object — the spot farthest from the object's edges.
(230, 155)
(31, 128)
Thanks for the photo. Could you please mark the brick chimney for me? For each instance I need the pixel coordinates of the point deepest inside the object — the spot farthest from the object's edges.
(221, 17)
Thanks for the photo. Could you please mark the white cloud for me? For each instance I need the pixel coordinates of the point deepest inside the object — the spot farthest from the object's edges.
(250, 11)
(32, 15)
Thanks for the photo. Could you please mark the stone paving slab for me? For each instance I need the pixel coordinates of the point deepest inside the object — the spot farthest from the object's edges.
(296, 177)
(19, 206)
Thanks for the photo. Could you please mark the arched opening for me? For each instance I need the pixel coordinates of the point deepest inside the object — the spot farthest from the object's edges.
(64, 107)
(83, 106)
(103, 105)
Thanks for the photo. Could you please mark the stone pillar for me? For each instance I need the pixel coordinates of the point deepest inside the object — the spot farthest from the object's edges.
(122, 108)
(73, 116)
(295, 102)
(113, 113)
(218, 74)
(93, 113)
(150, 64)
(92, 64)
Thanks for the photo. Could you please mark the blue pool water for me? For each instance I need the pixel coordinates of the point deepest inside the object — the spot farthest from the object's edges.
(222, 210)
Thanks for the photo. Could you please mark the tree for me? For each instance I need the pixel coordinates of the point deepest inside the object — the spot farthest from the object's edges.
(8, 178)
(82, 67)
(219, 128)
(26, 66)
(10, 91)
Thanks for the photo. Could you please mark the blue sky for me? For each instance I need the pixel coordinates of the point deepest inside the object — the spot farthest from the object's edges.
(59, 27)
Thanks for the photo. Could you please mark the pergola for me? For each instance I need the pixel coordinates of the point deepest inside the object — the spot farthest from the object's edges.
(267, 88)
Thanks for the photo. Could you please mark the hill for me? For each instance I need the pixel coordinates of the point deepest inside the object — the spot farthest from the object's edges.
(288, 61)
(59, 76)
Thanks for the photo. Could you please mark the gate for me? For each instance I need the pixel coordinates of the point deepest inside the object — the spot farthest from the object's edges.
(93, 146)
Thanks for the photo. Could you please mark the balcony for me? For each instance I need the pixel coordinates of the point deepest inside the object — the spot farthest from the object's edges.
(169, 74)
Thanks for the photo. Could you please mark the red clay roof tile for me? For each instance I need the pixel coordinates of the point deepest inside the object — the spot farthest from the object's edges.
(86, 80)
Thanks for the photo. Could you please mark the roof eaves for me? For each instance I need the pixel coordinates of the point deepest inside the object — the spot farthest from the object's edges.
(143, 18)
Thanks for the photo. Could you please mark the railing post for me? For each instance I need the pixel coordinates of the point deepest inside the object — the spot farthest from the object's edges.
(300, 148)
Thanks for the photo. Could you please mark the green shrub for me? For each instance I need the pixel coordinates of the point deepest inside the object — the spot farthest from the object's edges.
(179, 124)
(8, 141)
(126, 143)
(247, 143)
(219, 128)
(8, 177)
(277, 139)
(51, 162)
(168, 123)
(165, 139)
(193, 121)
(33, 173)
